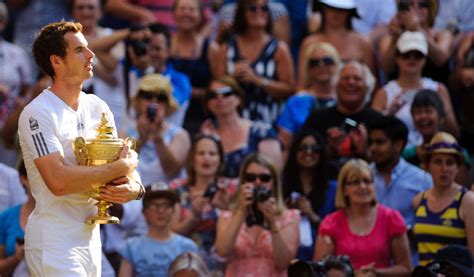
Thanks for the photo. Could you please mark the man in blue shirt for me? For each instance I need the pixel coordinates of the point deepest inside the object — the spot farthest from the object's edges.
(396, 180)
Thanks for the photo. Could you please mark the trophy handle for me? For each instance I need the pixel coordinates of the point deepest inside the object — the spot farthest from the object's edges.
(131, 142)
(80, 150)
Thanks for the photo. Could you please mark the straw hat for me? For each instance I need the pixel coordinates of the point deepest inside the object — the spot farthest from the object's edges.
(443, 143)
(159, 84)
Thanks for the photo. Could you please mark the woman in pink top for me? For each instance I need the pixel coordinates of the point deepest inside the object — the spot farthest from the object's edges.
(259, 237)
(373, 236)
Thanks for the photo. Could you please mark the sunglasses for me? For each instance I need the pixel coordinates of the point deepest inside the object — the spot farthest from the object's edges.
(405, 5)
(325, 61)
(309, 148)
(160, 96)
(252, 177)
(417, 55)
(254, 8)
(85, 7)
(224, 91)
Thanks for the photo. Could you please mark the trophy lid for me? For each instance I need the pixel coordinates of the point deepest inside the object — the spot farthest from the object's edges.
(104, 131)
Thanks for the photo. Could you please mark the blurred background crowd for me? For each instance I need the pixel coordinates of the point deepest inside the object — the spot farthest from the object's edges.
(274, 136)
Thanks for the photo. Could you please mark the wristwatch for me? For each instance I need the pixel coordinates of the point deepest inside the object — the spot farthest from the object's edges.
(141, 193)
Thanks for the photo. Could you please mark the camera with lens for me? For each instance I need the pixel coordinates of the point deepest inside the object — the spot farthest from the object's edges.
(342, 264)
(138, 46)
(255, 216)
(151, 112)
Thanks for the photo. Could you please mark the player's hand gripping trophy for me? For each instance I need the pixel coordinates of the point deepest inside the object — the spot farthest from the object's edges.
(104, 148)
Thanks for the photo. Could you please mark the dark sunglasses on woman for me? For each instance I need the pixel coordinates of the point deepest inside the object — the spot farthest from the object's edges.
(253, 8)
(160, 96)
(224, 91)
(252, 177)
(325, 61)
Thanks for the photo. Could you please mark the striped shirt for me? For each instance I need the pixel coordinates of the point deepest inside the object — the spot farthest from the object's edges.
(433, 230)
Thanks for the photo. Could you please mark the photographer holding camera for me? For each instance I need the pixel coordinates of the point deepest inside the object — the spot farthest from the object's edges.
(260, 236)
(162, 146)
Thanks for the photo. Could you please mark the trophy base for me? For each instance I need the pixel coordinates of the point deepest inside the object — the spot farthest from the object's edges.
(103, 220)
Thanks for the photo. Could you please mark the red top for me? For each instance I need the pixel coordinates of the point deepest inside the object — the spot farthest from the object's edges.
(364, 249)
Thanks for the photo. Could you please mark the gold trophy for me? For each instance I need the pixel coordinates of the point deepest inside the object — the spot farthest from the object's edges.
(103, 149)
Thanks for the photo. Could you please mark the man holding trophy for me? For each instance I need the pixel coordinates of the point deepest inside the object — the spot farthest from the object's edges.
(58, 241)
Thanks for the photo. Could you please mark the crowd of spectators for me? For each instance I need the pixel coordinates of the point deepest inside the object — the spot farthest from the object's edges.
(268, 131)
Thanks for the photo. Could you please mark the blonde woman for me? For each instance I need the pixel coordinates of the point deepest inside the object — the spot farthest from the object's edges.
(320, 64)
(373, 236)
(260, 236)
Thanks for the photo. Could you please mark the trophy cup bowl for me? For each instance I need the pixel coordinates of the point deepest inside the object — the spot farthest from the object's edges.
(102, 149)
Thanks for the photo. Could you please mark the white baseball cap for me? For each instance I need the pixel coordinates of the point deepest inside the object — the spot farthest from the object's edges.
(410, 41)
(342, 4)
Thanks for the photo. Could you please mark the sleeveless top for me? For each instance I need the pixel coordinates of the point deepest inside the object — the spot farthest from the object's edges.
(198, 70)
(433, 231)
(259, 105)
(393, 90)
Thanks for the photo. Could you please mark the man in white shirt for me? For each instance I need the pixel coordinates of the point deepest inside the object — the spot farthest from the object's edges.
(58, 242)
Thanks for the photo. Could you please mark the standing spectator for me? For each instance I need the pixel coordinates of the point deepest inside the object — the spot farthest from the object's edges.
(321, 62)
(204, 194)
(152, 254)
(16, 77)
(396, 96)
(194, 55)
(260, 236)
(239, 136)
(261, 64)
(372, 235)
(418, 16)
(307, 187)
(12, 231)
(428, 116)
(344, 125)
(444, 212)
(162, 146)
(336, 29)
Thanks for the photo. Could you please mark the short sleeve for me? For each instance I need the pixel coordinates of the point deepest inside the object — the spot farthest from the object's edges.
(328, 226)
(285, 120)
(126, 252)
(395, 223)
(37, 130)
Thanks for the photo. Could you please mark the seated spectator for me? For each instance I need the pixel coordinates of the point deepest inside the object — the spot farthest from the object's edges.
(12, 232)
(153, 58)
(418, 16)
(260, 63)
(428, 115)
(444, 212)
(260, 236)
(321, 62)
(151, 254)
(162, 146)
(239, 136)
(306, 187)
(336, 29)
(204, 193)
(372, 235)
(194, 55)
(396, 96)
(11, 192)
(188, 264)
(344, 125)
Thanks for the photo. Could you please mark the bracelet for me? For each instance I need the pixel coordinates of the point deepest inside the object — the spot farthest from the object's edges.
(265, 82)
(141, 193)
